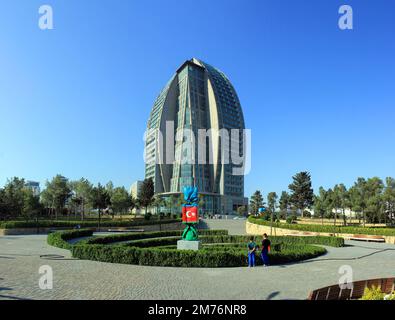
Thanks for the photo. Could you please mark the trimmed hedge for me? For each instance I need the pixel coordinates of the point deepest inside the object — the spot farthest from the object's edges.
(326, 228)
(146, 235)
(59, 239)
(83, 224)
(226, 239)
(178, 258)
(153, 248)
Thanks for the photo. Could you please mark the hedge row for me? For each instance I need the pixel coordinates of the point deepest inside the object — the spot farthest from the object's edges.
(83, 224)
(150, 248)
(211, 236)
(177, 258)
(320, 240)
(146, 235)
(326, 228)
(59, 239)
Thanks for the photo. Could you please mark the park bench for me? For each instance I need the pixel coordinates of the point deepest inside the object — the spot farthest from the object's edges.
(335, 292)
(361, 237)
(300, 234)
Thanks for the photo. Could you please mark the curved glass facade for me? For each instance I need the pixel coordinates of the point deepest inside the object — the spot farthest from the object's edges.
(198, 98)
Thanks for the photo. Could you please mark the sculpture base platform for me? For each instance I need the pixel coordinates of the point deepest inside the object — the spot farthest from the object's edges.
(189, 245)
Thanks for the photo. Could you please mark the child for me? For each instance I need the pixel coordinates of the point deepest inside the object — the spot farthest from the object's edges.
(251, 252)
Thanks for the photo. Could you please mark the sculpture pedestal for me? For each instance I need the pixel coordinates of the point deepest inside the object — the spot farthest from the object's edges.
(189, 245)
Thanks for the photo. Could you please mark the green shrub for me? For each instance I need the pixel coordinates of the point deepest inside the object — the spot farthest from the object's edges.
(146, 235)
(59, 239)
(159, 248)
(148, 216)
(177, 258)
(373, 293)
(83, 224)
(291, 219)
(327, 228)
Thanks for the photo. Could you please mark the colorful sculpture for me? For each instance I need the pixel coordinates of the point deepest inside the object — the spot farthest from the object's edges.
(190, 214)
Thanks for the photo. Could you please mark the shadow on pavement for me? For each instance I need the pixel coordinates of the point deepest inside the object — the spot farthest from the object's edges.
(272, 295)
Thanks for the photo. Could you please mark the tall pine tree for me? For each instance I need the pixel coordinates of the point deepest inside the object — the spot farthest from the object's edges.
(302, 194)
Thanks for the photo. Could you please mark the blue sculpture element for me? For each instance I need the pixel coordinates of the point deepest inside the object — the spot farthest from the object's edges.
(191, 196)
(190, 213)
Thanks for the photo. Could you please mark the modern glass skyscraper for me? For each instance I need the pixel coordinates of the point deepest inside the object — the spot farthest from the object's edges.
(197, 98)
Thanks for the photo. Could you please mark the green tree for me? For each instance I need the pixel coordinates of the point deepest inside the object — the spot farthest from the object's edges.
(256, 202)
(82, 190)
(121, 201)
(3, 206)
(389, 199)
(242, 211)
(147, 193)
(302, 194)
(158, 203)
(374, 200)
(272, 205)
(31, 204)
(100, 199)
(58, 190)
(284, 203)
(110, 188)
(320, 202)
(14, 196)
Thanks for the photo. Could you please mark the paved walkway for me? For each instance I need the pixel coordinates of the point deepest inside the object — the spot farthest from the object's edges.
(76, 279)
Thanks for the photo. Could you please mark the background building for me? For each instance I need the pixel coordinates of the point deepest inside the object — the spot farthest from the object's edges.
(34, 186)
(135, 189)
(197, 97)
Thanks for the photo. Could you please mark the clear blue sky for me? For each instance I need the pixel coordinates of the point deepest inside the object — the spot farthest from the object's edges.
(75, 100)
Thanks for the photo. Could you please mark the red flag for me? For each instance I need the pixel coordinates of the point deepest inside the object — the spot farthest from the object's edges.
(190, 215)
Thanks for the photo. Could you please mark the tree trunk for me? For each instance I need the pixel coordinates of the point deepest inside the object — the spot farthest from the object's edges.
(83, 210)
(99, 219)
(364, 218)
(335, 216)
(271, 223)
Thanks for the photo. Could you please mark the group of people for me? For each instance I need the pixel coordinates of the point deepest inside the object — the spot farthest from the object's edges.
(253, 248)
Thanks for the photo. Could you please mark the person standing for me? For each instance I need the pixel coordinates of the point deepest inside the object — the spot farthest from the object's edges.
(265, 250)
(251, 252)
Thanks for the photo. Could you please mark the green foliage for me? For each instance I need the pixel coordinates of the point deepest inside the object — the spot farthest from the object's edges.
(160, 252)
(147, 192)
(147, 216)
(327, 229)
(256, 202)
(100, 198)
(83, 224)
(146, 235)
(158, 249)
(57, 193)
(284, 203)
(59, 239)
(121, 201)
(302, 194)
(242, 211)
(291, 219)
(373, 293)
